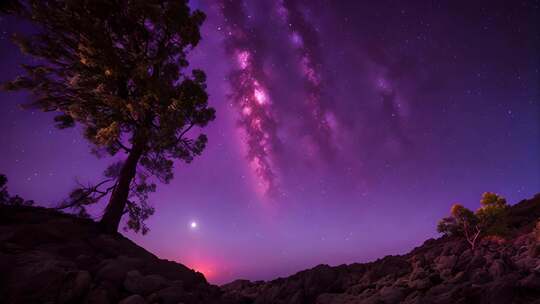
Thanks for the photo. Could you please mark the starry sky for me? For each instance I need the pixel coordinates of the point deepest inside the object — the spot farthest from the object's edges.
(344, 131)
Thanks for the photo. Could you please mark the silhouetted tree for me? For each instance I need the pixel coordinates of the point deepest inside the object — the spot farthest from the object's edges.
(119, 69)
(489, 219)
(3, 189)
(6, 199)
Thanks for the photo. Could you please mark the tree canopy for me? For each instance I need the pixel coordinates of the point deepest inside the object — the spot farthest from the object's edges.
(120, 70)
(489, 219)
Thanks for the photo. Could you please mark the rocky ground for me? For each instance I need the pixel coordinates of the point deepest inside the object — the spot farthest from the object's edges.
(49, 257)
(444, 270)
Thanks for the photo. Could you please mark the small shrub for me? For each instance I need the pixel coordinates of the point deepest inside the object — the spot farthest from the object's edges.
(491, 219)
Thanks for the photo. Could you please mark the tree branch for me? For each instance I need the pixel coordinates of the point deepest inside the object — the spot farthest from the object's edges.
(87, 192)
(183, 133)
(122, 146)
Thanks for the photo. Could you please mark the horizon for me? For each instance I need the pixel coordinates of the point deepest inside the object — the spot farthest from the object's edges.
(378, 117)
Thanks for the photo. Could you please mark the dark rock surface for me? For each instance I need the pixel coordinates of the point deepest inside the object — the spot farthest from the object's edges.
(50, 257)
(444, 270)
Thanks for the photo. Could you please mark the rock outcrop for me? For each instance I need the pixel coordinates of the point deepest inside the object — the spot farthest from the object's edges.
(444, 270)
(50, 257)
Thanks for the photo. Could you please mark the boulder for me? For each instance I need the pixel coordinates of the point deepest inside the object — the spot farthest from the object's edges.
(418, 273)
(391, 294)
(477, 261)
(143, 285)
(532, 281)
(390, 265)
(479, 276)
(445, 262)
(420, 284)
(527, 263)
(115, 270)
(97, 296)
(497, 268)
(76, 286)
(458, 278)
(133, 299)
(173, 295)
(335, 298)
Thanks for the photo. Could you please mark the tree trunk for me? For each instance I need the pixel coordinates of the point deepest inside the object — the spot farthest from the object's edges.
(117, 203)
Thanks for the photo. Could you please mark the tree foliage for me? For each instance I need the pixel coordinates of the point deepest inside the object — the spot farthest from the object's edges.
(119, 69)
(489, 219)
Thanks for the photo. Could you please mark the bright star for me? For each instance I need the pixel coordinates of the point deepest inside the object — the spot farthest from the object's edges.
(193, 225)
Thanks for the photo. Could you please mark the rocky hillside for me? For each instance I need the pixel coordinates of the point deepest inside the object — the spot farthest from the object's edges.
(444, 270)
(50, 257)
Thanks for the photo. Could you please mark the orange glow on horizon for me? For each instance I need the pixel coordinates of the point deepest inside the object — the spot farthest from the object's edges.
(207, 270)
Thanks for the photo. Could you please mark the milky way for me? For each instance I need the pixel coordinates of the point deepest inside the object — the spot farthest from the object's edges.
(258, 105)
(250, 93)
(305, 40)
(300, 122)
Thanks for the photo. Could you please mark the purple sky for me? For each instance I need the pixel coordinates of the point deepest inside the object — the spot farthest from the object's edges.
(343, 131)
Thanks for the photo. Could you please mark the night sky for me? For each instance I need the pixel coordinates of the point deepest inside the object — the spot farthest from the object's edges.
(344, 131)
